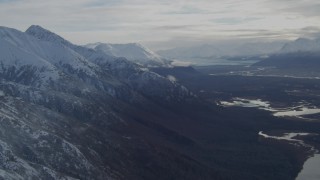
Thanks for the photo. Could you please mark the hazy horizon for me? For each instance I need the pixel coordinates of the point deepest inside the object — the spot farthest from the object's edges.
(167, 24)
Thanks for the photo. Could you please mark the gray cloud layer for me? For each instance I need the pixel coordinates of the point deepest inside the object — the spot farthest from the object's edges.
(157, 22)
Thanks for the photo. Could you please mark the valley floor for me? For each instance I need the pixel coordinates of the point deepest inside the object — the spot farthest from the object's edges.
(264, 100)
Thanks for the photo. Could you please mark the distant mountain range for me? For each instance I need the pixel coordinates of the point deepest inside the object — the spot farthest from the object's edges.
(279, 53)
(222, 50)
(301, 45)
(133, 51)
(301, 53)
(299, 60)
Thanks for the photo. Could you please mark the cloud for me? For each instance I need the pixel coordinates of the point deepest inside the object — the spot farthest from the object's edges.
(306, 8)
(188, 9)
(7, 1)
(235, 20)
(99, 3)
(155, 22)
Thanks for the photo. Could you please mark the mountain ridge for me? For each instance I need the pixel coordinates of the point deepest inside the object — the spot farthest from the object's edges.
(134, 52)
(301, 45)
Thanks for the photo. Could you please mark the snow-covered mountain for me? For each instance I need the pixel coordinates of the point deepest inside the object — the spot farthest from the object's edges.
(25, 58)
(302, 53)
(133, 51)
(71, 112)
(64, 108)
(135, 75)
(301, 45)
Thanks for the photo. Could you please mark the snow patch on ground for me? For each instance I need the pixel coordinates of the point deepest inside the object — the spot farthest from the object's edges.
(181, 63)
(171, 78)
(296, 111)
(73, 151)
(286, 136)
(247, 103)
(300, 112)
(290, 137)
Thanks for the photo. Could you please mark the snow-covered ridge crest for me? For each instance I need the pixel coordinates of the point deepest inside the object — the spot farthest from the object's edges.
(15, 55)
(44, 52)
(50, 59)
(134, 52)
(46, 35)
(69, 55)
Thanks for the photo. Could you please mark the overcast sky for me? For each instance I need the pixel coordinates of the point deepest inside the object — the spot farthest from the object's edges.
(162, 24)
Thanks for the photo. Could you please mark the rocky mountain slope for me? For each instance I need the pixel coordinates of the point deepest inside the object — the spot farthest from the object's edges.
(66, 110)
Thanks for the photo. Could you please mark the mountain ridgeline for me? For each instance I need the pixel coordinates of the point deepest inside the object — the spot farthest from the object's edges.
(67, 110)
(301, 53)
(134, 52)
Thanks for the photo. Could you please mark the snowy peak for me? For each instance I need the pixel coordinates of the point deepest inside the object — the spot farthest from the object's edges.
(301, 45)
(92, 45)
(25, 53)
(20, 63)
(14, 37)
(7, 32)
(132, 51)
(45, 35)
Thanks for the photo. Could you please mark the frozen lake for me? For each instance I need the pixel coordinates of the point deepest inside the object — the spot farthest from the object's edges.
(265, 105)
(310, 169)
(302, 111)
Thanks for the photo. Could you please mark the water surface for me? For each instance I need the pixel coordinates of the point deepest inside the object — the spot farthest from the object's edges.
(311, 169)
